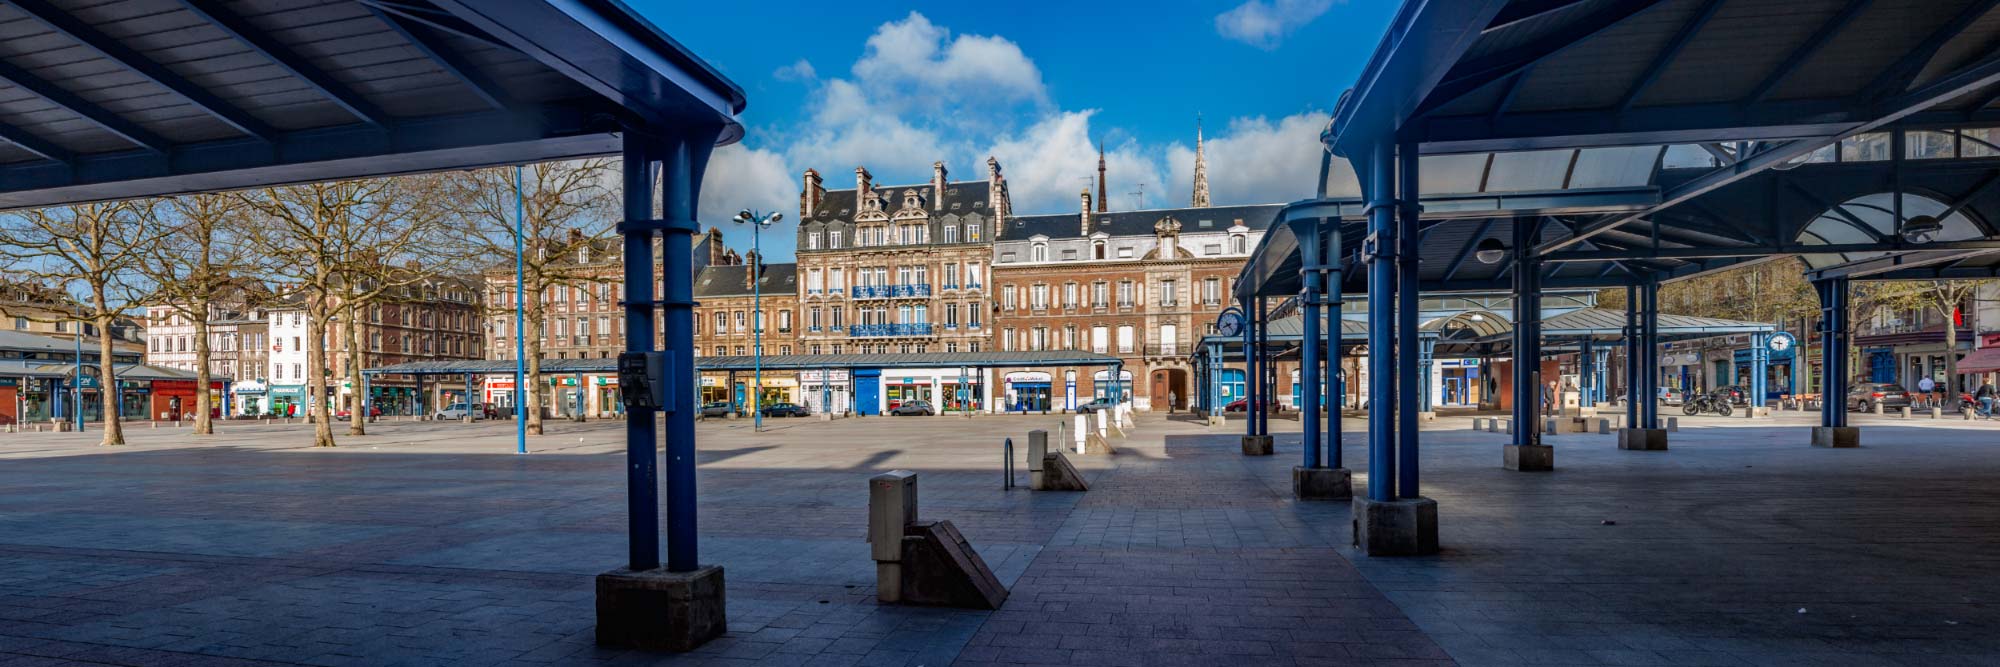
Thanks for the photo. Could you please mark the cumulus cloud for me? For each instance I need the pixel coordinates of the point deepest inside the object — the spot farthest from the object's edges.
(797, 71)
(1256, 160)
(1266, 23)
(920, 94)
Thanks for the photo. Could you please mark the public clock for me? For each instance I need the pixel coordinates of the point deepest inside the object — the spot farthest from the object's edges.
(1230, 323)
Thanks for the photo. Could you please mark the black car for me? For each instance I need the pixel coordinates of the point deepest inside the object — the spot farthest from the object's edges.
(912, 408)
(1864, 396)
(715, 409)
(785, 410)
(1093, 406)
(1738, 394)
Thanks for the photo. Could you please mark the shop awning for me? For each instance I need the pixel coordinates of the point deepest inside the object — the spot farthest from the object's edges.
(1984, 360)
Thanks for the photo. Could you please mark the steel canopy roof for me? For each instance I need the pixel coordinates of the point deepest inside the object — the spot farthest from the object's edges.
(137, 98)
(1021, 359)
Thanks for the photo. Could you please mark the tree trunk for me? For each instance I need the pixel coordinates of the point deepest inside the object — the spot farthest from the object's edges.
(1951, 382)
(531, 381)
(357, 403)
(107, 388)
(316, 322)
(203, 425)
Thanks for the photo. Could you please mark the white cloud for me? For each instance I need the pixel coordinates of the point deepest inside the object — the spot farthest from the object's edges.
(797, 71)
(1255, 160)
(1052, 161)
(740, 178)
(1265, 23)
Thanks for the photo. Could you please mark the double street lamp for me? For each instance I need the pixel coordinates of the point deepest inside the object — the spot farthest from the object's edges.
(757, 221)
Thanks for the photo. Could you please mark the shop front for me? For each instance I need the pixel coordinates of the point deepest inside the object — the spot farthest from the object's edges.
(1778, 368)
(10, 401)
(287, 400)
(932, 385)
(170, 399)
(714, 389)
(1101, 385)
(499, 392)
(609, 403)
(252, 397)
(1030, 391)
(824, 391)
(775, 389)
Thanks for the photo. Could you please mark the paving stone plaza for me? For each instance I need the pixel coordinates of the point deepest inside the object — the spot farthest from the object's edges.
(430, 543)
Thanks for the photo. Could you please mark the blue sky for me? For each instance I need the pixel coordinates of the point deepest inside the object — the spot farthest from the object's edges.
(897, 86)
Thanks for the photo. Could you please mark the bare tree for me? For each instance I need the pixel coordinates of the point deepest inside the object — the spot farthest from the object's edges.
(93, 251)
(330, 243)
(198, 261)
(1946, 299)
(563, 208)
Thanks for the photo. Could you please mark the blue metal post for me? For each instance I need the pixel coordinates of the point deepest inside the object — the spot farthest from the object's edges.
(367, 399)
(1267, 384)
(1426, 356)
(1634, 395)
(1381, 323)
(78, 402)
(468, 400)
(1649, 351)
(1586, 361)
(1309, 346)
(641, 463)
(1760, 361)
(756, 327)
(682, 165)
(1600, 361)
(1527, 335)
(1833, 351)
(521, 316)
(1250, 376)
(1411, 376)
(826, 391)
(1215, 368)
(1334, 378)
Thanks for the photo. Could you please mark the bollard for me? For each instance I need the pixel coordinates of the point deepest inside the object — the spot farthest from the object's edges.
(1082, 432)
(1878, 408)
(892, 505)
(1937, 412)
(1673, 424)
(1007, 463)
(1904, 412)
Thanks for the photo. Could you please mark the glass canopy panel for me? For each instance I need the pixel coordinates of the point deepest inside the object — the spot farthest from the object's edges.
(1625, 166)
(1529, 171)
(1460, 173)
(1341, 181)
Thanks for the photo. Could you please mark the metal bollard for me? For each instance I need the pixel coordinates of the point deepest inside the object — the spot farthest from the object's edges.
(892, 505)
(1007, 464)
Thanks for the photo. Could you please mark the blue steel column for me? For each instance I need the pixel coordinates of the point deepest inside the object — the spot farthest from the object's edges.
(1760, 361)
(1215, 368)
(1833, 351)
(642, 504)
(1527, 335)
(1649, 351)
(1409, 373)
(1309, 345)
(1334, 380)
(1265, 392)
(1633, 395)
(681, 165)
(1426, 355)
(1381, 323)
(1586, 360)
(1600, 362)
(1250, 377)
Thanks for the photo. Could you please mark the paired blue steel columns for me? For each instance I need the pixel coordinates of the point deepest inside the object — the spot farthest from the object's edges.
(1380, 252)
(1633, 395)
(1527, 335)
(1833, 353)
(1649, 353)
(1760, 363)
(1267, 378)
(1586, 362)
(675, 163)
(1332, 381)
(1214, 389)
(1409, 211)
(1427, 343)
(1251, 378)
(1310, 392)
(1601, 375)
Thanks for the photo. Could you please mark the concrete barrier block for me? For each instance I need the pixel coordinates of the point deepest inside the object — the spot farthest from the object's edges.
(1673, 424)
(1529, 458)
(1937, 412)
(1839, 437)
(1903, 412)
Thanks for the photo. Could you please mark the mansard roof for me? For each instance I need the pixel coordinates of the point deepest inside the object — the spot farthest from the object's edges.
(1257, 217)
(733, 280)
(959, 198)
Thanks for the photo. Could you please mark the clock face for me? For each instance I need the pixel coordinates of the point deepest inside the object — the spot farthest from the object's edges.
(1230, 324)
(1780, 343)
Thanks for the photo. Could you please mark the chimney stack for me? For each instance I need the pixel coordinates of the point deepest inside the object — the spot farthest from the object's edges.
(863, 185)
(937, 186)
(996, 192)
(811, 195)
(1086, 213)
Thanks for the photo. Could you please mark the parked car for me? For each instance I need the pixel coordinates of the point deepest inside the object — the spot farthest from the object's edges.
(917, 407)
(715, 409)
(1672, 396)
(1095, 405)
(1738, 394)
(346, 414)
(1864, 396)
(457, 411)
(785, 410)
(1242, 404)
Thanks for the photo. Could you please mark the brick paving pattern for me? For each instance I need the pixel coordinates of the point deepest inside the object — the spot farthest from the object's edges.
(432, 544)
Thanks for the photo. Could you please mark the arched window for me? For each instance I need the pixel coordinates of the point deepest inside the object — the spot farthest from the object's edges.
(1097, 249)
(1040, 253)
(1239, 243)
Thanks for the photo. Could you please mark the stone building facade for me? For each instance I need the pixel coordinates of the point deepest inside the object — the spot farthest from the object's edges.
(436, 319)
(1140, 285)
(897, 269)
(725, 316)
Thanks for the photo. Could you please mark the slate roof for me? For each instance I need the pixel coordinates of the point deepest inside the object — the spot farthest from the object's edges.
(968, 196)
(1140, 223)
(733, 280)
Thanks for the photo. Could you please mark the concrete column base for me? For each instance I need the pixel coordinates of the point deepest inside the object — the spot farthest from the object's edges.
(1427, 416)
(1322, 483)
(1257, 445)
(1752, 412)
(1840, 437)
(1529, 458)
(825, 417)
(1643, 439)
(657, 610)
(1217, 420)
(1401, 527)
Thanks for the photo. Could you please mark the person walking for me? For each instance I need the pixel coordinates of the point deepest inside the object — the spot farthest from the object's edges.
(1549, 398)
(1928, 388)
(1985, 399)
(1172, 401)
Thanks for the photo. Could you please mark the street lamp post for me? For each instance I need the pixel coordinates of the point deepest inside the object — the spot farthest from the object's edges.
(757, 221)
(76, 392)
(520, 326)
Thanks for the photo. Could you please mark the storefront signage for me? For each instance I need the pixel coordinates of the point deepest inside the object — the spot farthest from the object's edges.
(1029, 377)
(838, 377)
(9, 382)
(709, 381)
(180, 387)
(1102, 376)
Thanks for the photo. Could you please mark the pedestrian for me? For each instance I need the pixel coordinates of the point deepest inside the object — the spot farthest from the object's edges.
(1549, 398)
(1172, 400)
(1985, 398)
(1928, 388)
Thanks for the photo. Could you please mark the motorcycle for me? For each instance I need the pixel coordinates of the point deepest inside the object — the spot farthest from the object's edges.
(1715, 402)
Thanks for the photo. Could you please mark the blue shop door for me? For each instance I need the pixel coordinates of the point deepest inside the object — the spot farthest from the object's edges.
(868, 392)
(1233, 385)
(1881, 366)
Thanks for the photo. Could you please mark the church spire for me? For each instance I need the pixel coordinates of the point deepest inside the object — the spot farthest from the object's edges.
(1101, 199)
(1200, 169)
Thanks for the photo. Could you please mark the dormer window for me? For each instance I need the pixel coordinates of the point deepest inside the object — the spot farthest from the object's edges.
(1097, 249)
(1239, 244)
(1040, 253)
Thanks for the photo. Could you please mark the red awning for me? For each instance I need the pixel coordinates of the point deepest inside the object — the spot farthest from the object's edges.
(1983, 360)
